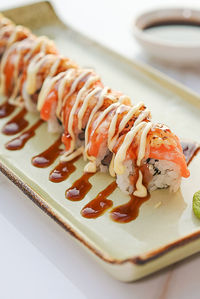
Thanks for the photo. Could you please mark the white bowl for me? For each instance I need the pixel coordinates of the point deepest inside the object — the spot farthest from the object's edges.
(172, 51)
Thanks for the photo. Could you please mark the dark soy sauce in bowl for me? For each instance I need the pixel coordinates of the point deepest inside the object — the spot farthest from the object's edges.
(176, 31)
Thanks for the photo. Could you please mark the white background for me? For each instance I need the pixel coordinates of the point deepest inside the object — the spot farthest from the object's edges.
(38, 259)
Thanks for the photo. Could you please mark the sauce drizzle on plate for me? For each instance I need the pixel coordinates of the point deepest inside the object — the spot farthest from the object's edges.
(79, 188)
(16, 124)
(47, 157)
(19, 142)
(6, 109)
(62, 171)
(128, 211)
(100, 203)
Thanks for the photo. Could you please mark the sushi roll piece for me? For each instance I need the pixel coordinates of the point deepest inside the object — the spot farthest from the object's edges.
(142, 155)
(62, 95)
(41, 67)
(10, 34)
(15, 62)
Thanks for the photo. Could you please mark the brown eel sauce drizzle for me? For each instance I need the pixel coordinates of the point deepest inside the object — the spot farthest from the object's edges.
(79, 188)
(47, 157)
(19, 142)
(6, 109)
(16, 124)
(62, 171)
(99, 204)
(130, 210)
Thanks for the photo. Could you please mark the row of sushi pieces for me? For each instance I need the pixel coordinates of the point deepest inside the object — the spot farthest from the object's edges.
(111, 133)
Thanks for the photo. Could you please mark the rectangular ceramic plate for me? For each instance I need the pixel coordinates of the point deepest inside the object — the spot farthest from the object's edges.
(159, 236)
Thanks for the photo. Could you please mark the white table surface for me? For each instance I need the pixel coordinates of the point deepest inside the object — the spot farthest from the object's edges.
(38, 259)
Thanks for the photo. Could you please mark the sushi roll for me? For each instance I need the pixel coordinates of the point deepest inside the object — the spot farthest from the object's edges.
(103, 125)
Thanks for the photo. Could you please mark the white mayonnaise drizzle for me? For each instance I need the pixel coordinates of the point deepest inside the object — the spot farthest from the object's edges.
(40, 42)
(124, 98)
(13, 36)
(29, 104)
(89, 81)
(55, 65)
(111, 138)
(14, 98)
(141, 190)
(91, 166)
(32, 70)
(76, 153)
(46, 87)
(85, 105)
(121, 154)
(142, 144)
(96, 108)
(68, 75)
(144, 114)
(16, 65)
(75, 84)
(104, 113)
(111, 166)
(34, 66)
